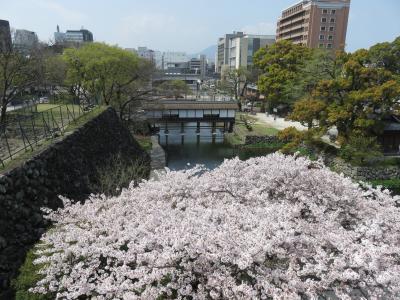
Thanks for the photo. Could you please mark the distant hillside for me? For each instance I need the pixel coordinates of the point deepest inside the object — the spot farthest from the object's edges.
(208, 52)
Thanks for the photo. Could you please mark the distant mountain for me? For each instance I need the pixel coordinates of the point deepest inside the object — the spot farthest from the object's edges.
(208, 52)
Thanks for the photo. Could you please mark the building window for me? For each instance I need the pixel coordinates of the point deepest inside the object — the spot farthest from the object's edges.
(324, 11)
(331, 28)
(330, 37)
(321, 45)
(333, 11)
(332, 20)
(323, 28)
(323, 20)
(322, 37)
(329, 46)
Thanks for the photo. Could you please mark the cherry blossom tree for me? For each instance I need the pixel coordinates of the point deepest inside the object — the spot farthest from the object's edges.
(275, 227)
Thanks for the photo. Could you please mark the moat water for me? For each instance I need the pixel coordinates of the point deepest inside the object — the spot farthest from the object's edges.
(186, 147)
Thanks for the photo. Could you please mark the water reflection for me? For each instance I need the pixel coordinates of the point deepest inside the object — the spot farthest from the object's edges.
(192, 144)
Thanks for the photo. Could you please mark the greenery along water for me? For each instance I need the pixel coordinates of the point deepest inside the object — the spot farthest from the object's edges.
(185, 147)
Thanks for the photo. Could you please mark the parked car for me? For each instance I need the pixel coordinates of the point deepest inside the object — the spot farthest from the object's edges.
(44, 100)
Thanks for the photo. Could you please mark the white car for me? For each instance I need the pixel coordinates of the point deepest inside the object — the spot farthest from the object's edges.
(43, 100)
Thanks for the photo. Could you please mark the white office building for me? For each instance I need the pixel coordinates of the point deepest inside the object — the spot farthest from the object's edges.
(242, 49)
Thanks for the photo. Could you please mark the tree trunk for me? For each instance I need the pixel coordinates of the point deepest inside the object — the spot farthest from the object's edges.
(3, 117)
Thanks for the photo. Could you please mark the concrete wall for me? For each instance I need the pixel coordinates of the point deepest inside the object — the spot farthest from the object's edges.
(67, 168)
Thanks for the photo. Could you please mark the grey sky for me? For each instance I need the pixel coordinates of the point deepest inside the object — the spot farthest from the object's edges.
(183, 25)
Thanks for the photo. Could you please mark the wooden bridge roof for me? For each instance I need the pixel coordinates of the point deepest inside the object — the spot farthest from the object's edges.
(185, 104)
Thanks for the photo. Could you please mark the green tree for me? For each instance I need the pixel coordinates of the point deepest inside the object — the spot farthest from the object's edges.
(386, 55)
(321, 64)
(174, 88)
(360, 149)
(307, 111)
(359, 98)
(100, 70)
(280, 65)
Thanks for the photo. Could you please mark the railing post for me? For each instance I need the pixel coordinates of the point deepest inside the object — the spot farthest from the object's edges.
(24, 136)
(68, 112)
(73, 110)
(54, 121)
(46, 128)
(8, 145)
(62, 121)
(33, 129)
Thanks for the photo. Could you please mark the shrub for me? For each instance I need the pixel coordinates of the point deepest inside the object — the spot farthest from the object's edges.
(259, 149)
(117, 173)
(390, 184)
(360, 149)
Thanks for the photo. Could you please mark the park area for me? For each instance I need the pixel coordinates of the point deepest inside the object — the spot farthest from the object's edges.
(28, 127)
(248, 125)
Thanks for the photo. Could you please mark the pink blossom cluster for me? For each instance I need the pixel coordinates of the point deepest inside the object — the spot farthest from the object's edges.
(275, 227)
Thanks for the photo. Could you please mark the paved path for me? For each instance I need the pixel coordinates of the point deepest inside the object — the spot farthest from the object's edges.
(279, 123)
(158, 159)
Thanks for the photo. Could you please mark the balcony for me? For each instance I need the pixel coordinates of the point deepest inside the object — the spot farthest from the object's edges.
(292, 18)
(294, 28)
(291, 21)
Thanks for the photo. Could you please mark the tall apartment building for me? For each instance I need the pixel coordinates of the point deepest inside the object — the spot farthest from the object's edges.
(25, 40)
(5, 36)
(222, 55)
(242, 49)
(315, 23)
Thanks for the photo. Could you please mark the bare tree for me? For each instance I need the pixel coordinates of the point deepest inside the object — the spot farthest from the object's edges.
(18, 73)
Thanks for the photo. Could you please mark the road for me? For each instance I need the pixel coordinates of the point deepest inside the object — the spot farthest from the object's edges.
(278, 123)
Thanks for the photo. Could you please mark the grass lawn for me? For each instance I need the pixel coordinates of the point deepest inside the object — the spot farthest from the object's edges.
(71, 107)
(240, 131)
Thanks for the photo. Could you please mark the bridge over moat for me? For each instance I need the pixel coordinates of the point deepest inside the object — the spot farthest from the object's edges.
(205, 114)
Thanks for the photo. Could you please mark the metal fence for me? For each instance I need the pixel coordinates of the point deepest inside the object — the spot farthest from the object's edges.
(27, 128)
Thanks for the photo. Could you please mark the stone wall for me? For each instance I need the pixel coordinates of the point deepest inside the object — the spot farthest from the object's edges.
(252, 139)
(364, 173)
(66, 168)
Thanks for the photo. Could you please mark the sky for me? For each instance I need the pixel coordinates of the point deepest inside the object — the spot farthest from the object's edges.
(183, 25)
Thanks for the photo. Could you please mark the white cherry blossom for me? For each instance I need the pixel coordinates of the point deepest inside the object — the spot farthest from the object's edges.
(275, 227)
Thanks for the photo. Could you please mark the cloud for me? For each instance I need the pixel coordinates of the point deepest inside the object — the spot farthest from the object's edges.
(260, 28)
(61, 11)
